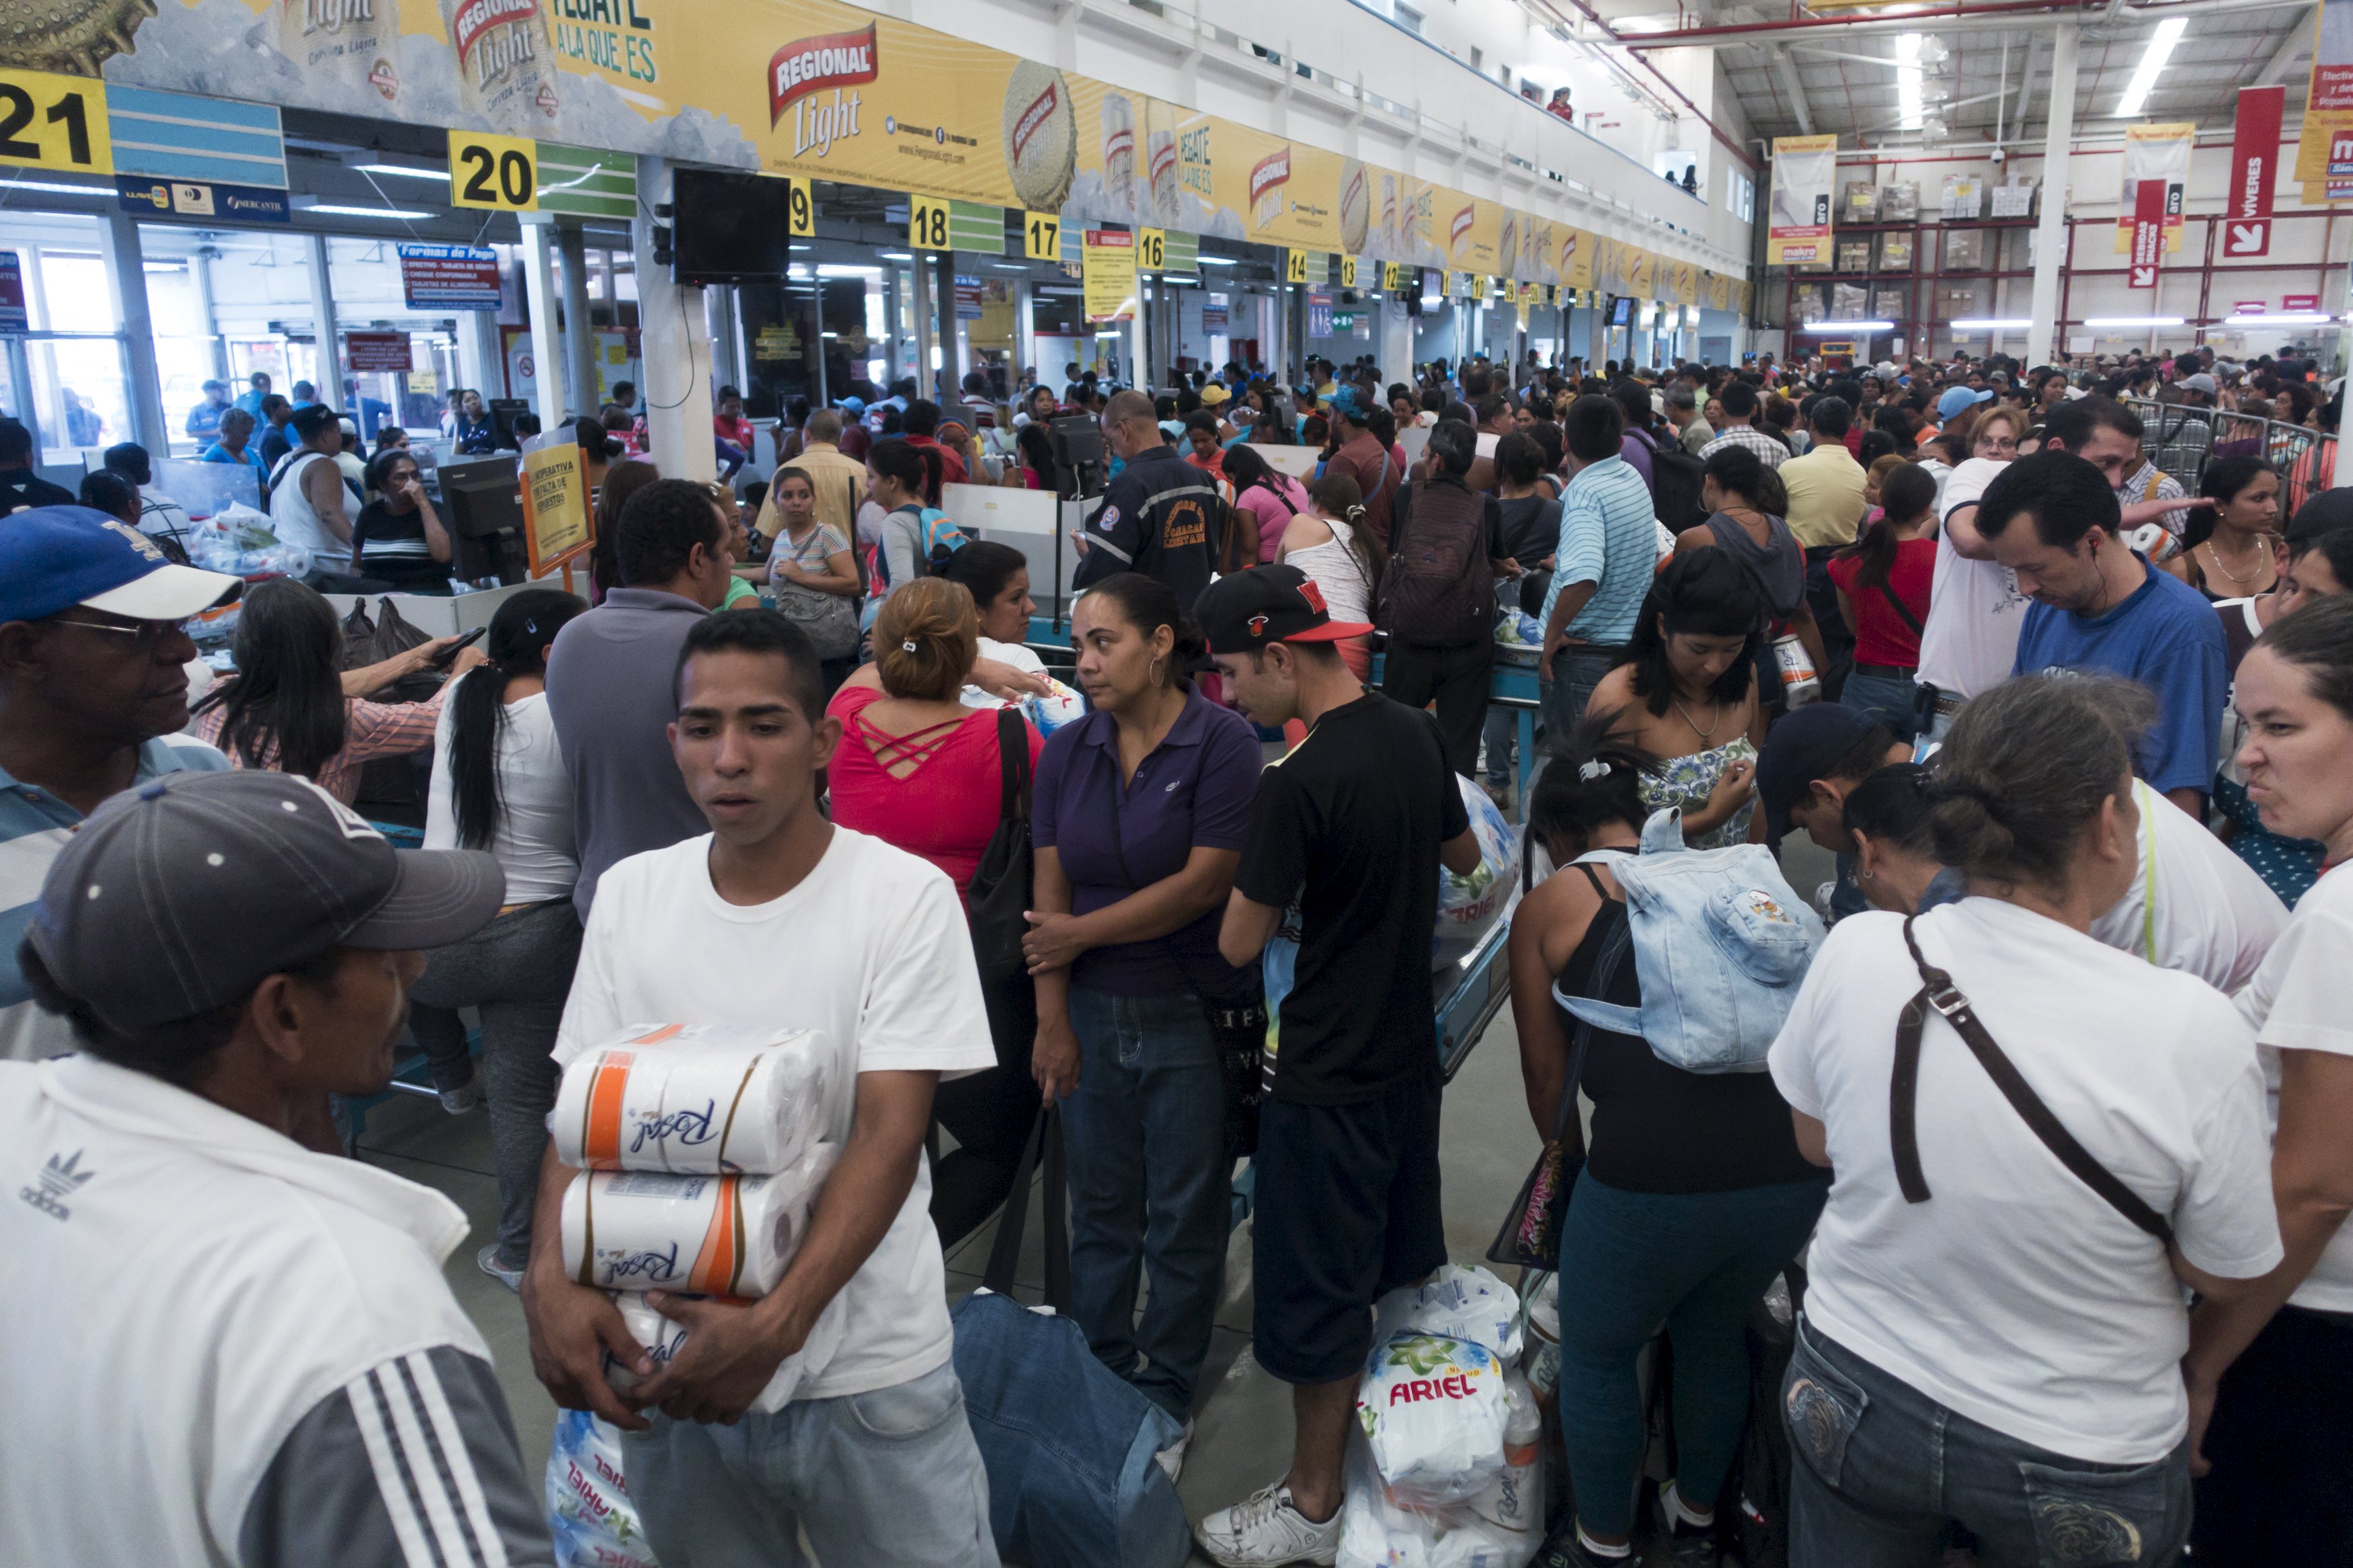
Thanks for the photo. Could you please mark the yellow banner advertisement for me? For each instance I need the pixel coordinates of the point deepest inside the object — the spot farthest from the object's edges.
(1798, 216)
(813, 89)
(1686, 276)
(1638, 267)
(2324, 148)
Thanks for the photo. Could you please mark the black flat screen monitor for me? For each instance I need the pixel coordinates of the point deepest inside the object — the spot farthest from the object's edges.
(729, 227)
(1621, 312)
(482, 501)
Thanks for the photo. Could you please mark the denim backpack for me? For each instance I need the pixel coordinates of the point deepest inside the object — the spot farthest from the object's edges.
(1720, 941)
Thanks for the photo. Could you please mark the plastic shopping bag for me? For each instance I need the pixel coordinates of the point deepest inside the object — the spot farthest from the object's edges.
(1433, 1410)
(1458, 1302)
(1468, 905)
(588, 1507)
(1499, 1527)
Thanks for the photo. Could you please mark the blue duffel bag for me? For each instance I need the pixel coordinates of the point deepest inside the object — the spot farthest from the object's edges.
(1069, 1445)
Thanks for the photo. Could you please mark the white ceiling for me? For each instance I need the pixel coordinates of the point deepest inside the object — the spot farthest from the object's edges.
(1989, 68)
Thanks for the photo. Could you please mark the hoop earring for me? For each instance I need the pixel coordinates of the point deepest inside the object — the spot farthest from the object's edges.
(1156, 678)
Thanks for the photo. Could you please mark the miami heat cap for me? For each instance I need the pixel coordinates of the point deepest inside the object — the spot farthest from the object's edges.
(1243, 612)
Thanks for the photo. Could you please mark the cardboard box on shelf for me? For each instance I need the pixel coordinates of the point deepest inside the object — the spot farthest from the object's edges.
(1899, 202)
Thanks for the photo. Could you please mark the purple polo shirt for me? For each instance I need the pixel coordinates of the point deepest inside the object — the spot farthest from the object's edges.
(1195, 788)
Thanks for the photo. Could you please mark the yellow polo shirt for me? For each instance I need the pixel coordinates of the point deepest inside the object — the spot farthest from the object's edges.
(1825, 490)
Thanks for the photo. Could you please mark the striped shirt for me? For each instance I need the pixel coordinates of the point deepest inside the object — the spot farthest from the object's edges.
(1770, 452)
(34, 827)
(371, 730)
(1609, 536)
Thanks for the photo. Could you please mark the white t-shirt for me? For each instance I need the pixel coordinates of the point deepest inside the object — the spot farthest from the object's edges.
(2016, 1295)
(297, 521)
(1018, 655)
(2302, 1000)
(1975, 609)
(533, 842)
(2193, 906)
(871, 947)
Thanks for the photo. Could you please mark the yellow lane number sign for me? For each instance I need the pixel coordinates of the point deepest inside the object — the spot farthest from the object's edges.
(928, 222)
(500, 173)
(800, 207)
(1041, 236)
(49, 122)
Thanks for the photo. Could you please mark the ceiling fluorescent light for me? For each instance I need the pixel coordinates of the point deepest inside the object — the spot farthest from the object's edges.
(1990, 324)
(1833, 328)
(2152, 62)
(2300, 319)
(1908, 80)
(54, 189)
(327, 210)
(403, 171)
(1216, 261)
(2132, 321)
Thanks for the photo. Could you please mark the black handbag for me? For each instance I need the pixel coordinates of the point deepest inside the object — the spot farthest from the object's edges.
(999, 898)
(1530, 1236)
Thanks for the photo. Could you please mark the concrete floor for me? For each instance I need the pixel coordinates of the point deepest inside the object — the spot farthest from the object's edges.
(1243, 1433)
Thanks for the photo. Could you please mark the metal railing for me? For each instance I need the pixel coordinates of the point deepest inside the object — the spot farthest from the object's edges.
(2181, 440)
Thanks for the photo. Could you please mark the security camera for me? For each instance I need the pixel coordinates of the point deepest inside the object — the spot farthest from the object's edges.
(2000, 157)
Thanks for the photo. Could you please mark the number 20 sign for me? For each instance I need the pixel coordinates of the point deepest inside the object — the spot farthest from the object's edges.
(501, 173)
(49, 122)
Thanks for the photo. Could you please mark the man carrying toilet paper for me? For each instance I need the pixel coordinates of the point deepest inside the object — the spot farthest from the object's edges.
(779, 920)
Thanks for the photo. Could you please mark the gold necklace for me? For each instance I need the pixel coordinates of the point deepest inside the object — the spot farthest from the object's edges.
(2215, 551)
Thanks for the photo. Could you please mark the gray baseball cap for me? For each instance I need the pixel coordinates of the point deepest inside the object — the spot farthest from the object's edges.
(180, 895)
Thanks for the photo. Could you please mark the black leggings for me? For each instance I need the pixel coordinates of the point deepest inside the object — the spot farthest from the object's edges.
(988, 1113)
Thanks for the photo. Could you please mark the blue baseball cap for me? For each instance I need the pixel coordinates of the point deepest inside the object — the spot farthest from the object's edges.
(851, 404)
(1957, 399)
(55, 557)
(1344, 403)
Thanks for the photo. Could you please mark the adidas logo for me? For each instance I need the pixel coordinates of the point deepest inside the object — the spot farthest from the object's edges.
(59, 1179)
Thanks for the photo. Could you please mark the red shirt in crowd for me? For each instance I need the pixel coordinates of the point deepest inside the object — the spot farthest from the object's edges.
(947, 810)
(1881, 636)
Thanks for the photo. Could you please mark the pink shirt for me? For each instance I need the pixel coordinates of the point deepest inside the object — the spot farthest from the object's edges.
(371, 730)
(1273, 509)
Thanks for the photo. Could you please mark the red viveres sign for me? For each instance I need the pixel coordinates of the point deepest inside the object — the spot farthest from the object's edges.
(817, 65)
(2255, 168)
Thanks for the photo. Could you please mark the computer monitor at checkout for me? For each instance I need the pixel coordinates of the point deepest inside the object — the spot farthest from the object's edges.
(482, 501)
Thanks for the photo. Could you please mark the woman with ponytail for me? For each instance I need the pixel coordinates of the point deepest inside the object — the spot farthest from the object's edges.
(1883, 581)
(499, 784)
(903, 478)
(1995, 1318)
(1328, 542)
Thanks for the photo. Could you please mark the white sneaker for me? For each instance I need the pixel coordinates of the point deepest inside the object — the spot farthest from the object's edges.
(464, 1098)
(1172, 1457)
(1265, 1530)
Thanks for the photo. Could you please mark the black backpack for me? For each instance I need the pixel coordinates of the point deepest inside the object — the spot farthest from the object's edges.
(1675, 477)
(1438, 589)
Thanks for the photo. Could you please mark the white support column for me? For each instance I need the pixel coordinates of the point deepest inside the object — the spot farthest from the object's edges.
(547, 338)
(200, 271)
(579, 329)
(330, 370)
(2051, 235)
(126, 281)
(1025, 332)
(481, 363)
(920, 271)
(676, 393)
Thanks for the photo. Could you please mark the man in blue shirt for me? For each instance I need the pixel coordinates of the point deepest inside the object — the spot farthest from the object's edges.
(204, 418)
(93, 691)
(1609, 550)
(2052, 520)
(257, 388)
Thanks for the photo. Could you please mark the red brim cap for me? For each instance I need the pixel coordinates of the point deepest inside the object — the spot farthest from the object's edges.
(1330, 631)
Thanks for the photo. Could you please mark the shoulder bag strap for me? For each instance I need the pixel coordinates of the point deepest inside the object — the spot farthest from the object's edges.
(1887, 590)
(1044, 1147)
(1614, 948)
(1938, 992)
(1013, 763)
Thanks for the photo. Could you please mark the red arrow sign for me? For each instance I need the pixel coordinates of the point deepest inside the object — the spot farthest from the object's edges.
(2149, 233)
(2247, 239)
(2144, 277)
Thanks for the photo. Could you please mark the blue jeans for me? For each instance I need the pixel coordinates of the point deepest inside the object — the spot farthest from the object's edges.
(1697, 1262)
(1886, 697)
(892, 1477)
(1879, 1467)
(1577, 669)
(1144, 1134)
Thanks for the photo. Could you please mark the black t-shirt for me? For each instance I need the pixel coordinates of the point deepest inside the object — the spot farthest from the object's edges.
(1531, 529)
(1658, 1129)
(21, 488)
(1348, 826)
(391, 546)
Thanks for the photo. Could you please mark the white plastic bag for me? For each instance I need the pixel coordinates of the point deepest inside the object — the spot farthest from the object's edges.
(1434, 1411)
(1458, 1302)
(1499, 1527)
(1468, 905)
(702, 1098)
(588, 1510)
(715, 1235)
